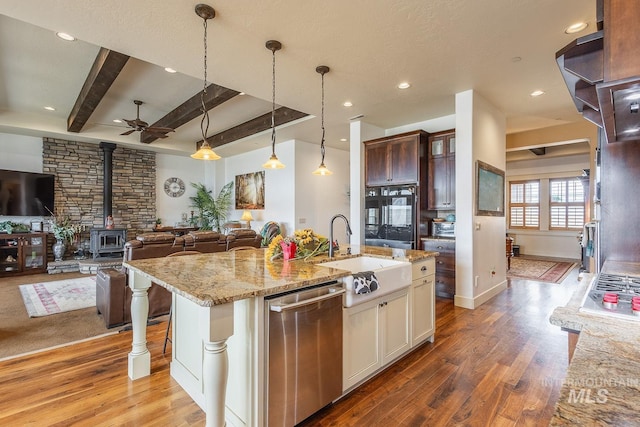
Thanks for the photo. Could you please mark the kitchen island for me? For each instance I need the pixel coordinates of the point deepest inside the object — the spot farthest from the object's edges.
(602, 386)
(220, 296)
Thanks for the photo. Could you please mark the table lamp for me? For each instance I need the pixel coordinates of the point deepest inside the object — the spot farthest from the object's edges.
(246, 216)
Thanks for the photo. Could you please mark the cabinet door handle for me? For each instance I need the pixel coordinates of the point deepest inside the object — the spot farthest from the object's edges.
(439, 247)
(424, 268)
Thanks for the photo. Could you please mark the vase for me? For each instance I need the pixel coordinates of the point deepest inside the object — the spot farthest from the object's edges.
(58, 250)
(288, 250)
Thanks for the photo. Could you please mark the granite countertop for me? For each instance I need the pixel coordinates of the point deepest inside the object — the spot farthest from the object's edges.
(602, 386)
(218, 278)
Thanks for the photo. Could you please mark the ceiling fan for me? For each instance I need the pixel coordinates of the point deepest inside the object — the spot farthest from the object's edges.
(138, 125)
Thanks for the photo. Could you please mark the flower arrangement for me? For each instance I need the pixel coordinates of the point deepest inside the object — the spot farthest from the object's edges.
(64, 230)
(306, 242)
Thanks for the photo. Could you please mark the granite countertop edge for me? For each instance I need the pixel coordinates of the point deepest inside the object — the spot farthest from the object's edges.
(217, 294)
(602, 385)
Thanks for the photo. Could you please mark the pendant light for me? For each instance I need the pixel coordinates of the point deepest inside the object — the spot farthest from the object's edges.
(205, 152)
(322, 169)
(273, 162)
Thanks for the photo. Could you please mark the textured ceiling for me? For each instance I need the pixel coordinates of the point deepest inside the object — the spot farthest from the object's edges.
(503, 49)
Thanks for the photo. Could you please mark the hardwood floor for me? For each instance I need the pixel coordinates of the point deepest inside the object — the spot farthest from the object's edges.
(499, 365)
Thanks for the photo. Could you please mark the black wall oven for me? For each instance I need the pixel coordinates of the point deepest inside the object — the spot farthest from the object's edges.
(390, 216)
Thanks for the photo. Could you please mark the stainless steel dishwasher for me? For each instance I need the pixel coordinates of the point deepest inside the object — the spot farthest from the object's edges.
(304, 340)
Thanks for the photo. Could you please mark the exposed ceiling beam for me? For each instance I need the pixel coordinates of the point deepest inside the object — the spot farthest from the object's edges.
(256, 125)
(104, 71)
(190, 109)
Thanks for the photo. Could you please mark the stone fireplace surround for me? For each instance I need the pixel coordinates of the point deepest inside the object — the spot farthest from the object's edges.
(78, 167)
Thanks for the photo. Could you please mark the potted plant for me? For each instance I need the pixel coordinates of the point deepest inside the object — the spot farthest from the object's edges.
(64, 232)
(212, 211)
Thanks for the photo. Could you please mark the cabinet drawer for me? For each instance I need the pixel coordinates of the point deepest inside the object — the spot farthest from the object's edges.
(446, 262)
(442, 246)
(420, 269)
(445, 285)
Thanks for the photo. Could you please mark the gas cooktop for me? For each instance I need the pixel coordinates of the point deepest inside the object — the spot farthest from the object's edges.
(613, 295)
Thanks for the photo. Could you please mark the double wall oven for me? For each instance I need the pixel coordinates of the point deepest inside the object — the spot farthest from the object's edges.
(390, 216)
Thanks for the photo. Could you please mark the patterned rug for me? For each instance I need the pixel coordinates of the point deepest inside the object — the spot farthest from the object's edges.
(46, 298)
(540, 270)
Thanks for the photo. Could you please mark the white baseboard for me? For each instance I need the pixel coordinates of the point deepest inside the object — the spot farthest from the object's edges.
(477, 301)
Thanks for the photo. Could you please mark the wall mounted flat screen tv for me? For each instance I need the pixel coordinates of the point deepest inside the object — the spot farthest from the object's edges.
(26, 193)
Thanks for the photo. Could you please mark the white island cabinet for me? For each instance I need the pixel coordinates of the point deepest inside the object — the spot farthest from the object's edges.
(381, 330)
(218, 323)
(375, 333)
(423, 316)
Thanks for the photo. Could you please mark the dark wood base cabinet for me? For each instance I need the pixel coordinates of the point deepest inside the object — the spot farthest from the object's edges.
(23, 253)
(445, 265)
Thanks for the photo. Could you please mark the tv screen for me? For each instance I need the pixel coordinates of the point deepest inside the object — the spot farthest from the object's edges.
(26, 193)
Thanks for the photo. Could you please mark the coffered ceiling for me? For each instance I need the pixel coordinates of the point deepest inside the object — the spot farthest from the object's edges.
(503, 49)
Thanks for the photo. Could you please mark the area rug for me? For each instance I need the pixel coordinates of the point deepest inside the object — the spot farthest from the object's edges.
(46, 298)
(540, 270)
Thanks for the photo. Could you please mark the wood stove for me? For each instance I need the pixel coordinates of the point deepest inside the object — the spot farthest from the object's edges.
(107, 242)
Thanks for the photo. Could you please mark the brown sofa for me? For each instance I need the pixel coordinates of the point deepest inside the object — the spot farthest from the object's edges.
(113, 295)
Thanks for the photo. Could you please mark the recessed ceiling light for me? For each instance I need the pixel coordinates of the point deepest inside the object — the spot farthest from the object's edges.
(170, 70)
(50, 108)
(65, 36)
(343, 139)
(404, 85)
(576, 28)
(117, 121)
(348, 104)
(537, 93)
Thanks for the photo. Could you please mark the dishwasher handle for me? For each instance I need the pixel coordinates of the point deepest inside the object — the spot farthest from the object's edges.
(280, 308)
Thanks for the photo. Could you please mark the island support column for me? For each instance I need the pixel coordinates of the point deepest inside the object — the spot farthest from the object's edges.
(217, 322)
(139, 357)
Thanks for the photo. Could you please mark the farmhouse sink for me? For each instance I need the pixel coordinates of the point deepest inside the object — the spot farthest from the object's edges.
(391, 274)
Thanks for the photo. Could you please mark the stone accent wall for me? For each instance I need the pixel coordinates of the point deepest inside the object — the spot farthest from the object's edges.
(78, 167)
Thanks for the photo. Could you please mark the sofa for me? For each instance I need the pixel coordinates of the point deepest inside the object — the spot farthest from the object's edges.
(113, 295)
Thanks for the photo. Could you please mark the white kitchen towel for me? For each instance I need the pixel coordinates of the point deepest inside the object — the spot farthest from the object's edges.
(365, 282)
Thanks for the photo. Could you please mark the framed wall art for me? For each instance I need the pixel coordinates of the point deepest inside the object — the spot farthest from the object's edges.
(250, 191)
(489, 190)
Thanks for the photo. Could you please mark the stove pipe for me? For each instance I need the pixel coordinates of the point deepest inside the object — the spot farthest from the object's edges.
(107, 148)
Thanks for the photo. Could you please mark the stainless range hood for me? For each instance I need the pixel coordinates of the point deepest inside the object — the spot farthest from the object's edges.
(602, 71)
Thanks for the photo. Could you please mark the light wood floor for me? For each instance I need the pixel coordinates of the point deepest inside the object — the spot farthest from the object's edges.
(499, 365)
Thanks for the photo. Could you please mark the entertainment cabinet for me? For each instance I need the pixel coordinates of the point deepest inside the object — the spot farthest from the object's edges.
(23, 253)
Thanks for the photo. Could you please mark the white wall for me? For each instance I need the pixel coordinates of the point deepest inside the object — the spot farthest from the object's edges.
(480, 240)
(170, 209)
(21, 153)
(359, 131)
(293, 194)
(318, 198)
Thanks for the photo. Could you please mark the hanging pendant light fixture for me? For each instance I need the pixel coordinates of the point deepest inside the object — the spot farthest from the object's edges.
(322, 169)
(205, 152)
(273, 162)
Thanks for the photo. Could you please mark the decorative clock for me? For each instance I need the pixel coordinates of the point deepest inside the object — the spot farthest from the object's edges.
(174, 187)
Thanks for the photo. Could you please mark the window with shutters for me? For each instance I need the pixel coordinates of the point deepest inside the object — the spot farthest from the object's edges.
(524, 204)
(566, 204)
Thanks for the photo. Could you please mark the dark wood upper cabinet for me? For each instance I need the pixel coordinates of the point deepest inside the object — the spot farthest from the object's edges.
(602, 70)
(394, 159)
(441, 171)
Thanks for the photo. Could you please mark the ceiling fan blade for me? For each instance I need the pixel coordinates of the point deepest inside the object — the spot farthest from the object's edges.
(131, 123)
(128, 132)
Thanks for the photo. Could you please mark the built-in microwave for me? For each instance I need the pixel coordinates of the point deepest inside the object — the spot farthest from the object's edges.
(443, 229)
